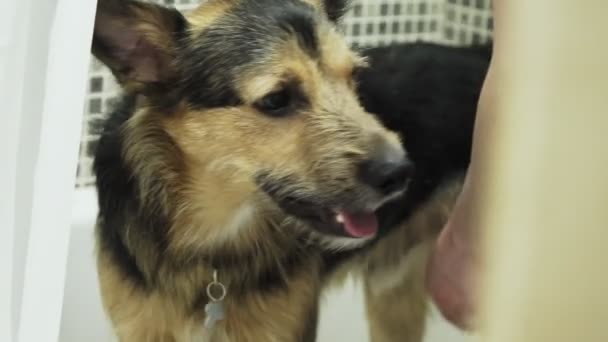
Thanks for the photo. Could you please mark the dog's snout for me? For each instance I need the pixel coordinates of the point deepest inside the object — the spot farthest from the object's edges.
(387, 170)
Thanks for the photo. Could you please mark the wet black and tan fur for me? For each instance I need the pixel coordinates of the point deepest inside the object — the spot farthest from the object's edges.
(239, 132)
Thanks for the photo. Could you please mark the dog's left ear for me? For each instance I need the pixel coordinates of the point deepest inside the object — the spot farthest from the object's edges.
(336, 8)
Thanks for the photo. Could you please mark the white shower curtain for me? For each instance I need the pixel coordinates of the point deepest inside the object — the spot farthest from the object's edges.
(44, 55)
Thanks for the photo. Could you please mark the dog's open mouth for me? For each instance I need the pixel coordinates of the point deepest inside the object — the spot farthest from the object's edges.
(341, 218)
(352, 223)
(358, 225)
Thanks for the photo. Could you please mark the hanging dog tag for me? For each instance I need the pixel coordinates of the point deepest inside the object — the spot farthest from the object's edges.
(214, 310)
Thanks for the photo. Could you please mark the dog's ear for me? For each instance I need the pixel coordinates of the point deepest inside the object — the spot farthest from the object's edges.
(137, 41)
(336, 8)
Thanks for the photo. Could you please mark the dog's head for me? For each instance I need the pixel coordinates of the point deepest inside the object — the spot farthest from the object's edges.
(248, 111)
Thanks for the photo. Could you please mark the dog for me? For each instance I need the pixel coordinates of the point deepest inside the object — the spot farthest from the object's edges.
(243, 171)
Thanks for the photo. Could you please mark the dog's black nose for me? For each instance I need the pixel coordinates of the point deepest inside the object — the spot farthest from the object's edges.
(387, 171)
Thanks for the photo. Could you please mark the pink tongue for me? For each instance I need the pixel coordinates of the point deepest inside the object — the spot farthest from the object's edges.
(359, 224)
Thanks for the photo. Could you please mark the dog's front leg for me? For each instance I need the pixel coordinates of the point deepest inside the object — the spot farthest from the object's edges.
(395, 299)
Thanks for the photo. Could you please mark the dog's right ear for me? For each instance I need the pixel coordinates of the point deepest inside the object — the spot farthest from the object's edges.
(137, 41)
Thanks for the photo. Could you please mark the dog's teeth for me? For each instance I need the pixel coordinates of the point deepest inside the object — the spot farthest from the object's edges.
(339, 218)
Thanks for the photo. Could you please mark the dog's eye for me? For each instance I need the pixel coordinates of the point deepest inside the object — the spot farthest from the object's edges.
(276, 103)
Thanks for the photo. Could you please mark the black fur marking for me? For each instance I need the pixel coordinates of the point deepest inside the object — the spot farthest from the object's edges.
(246, 35)
(428, 93)
(280, 19)
(115, 189)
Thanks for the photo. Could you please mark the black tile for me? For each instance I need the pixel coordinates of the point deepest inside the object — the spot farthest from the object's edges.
(421, 26)
(397, 9)
(369, 29)
(96, 85)
(95, 106)
(477, 39)
(449, 33)
(92, 147)
(111, 103)
(95, 126)
(451, 14)
(462, 37)
(464, 18)
(408, 27)
(356, 29)
(477, 21)
(384, 9)
(422, 8)
(395, 28)
(382, 28)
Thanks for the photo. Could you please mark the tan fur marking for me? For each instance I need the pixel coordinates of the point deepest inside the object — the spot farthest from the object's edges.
(314, 3)
(276, 317)
(207, 13)
(137, 315)
(225, 170)
(141, 316)
(398, 313)
(338, 58)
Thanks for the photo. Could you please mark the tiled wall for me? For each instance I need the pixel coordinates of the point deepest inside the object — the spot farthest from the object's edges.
(369, 23)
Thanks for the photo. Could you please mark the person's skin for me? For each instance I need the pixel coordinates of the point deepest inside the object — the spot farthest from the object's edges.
(454, 264)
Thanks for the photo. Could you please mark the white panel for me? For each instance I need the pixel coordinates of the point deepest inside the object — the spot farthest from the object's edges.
(8, 153)
(8, 11)
(12, 51)
(55, 169)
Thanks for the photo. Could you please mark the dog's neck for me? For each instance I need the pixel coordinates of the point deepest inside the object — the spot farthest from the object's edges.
(261, 255)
